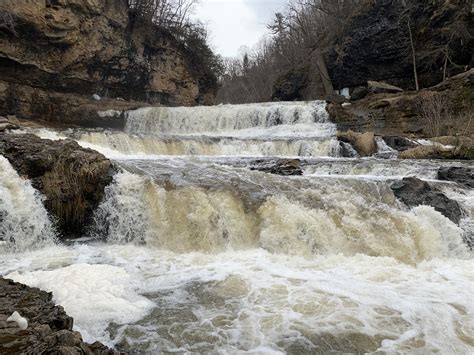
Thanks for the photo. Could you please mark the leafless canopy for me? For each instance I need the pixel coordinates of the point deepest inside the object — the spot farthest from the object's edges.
(303, 31)
(164, 13)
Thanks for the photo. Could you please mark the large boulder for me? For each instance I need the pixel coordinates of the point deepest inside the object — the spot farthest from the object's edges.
(414, 192)
(363, 143)
(461, 175)
(72, 178)
(49, 327)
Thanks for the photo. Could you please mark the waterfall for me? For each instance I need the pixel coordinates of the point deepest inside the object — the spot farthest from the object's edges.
(130, 145)
(323, 218)
(223, 117)
(24, 222)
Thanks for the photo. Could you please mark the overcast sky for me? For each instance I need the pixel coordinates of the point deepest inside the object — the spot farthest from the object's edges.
(236, 23)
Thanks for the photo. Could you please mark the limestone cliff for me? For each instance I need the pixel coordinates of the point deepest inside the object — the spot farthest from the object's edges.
(56, 54)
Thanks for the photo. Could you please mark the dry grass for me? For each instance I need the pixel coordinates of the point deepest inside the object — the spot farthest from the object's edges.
(435, 113)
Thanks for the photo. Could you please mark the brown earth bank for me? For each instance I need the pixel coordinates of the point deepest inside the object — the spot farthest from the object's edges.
(71, 178)
(57, 55)
(49, 328)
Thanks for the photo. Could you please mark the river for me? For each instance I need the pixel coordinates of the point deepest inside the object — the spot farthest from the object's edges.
(192, 251)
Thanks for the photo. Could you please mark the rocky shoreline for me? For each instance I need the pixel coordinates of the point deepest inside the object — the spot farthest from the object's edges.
(49, 327)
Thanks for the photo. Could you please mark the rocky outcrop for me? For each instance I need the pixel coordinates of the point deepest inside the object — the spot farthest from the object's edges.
(61, 53)
(414, 192)
(286, 167)
(462, 175)
(400, 114)
(363, 143)
(437, 151)
(49, 327)
(72, 178)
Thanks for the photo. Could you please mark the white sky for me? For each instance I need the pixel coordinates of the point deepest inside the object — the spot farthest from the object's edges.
(236, 23)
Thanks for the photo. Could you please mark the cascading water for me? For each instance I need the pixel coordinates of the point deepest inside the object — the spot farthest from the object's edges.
(197, 253)
(224, 118)
(24, 222)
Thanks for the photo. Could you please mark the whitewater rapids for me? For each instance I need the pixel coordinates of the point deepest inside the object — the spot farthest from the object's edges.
(193, 252)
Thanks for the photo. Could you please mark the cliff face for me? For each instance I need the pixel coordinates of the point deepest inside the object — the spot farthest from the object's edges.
(375, 46)
(59, 53)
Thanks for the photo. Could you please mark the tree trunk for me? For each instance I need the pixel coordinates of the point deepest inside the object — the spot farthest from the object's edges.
(445, 68)
(323, 71)
(413, 53)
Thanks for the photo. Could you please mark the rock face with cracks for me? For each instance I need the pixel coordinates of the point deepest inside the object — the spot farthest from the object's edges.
(72, 178)
(59, 55)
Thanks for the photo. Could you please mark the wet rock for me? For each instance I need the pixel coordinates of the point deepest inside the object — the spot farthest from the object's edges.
(363, 143)
(414, 192)
(347, 151)
(49, 327)
(72, 178)
(335, 99)
(359, 93)
(399, 143)
(284, 167)
(461, 175)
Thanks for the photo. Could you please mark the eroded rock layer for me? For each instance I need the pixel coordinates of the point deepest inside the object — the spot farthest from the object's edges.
(56, 55)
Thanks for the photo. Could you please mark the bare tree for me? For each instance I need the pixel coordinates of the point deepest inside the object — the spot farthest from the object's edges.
(172, 14)
(408, 8)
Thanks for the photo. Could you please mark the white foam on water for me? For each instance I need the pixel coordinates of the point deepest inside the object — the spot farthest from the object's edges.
(24, 222)
(95, 295)
(254, 301)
